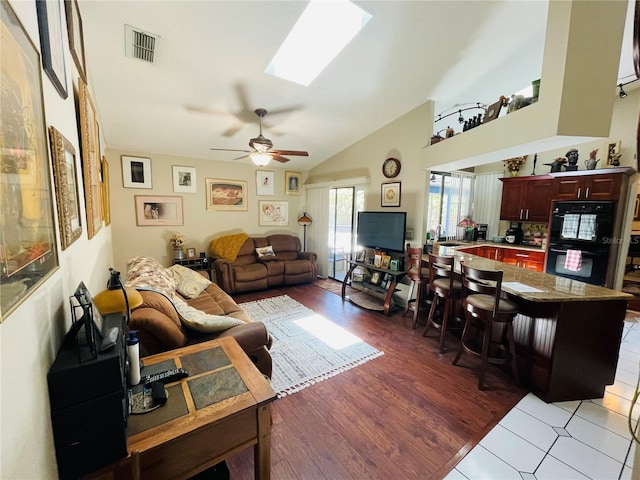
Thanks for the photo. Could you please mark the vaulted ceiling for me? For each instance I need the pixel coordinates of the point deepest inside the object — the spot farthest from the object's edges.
(208, 74)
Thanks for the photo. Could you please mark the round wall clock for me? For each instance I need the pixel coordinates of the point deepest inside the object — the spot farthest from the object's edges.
(391, 167)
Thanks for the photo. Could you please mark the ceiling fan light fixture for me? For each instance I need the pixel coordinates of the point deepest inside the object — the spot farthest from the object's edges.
(260, 159)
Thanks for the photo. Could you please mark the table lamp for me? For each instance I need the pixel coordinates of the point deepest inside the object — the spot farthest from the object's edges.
(117, 297)
(305, 220)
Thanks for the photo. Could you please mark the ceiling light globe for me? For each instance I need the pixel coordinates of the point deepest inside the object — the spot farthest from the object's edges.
(260, 159)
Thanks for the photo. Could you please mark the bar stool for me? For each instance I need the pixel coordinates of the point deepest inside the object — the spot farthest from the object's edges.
(481, 290)
(419, 277)
(444, 286)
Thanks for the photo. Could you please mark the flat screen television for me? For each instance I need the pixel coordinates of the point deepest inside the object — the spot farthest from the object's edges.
(382, 230)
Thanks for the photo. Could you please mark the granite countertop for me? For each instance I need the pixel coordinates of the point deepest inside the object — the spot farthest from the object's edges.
(489, 243)
(551, 288)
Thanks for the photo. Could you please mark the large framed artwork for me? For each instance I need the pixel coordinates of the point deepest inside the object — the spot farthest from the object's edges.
(158, 210)
(65, 174)
(273, 213)
(226, 194)
(76, 35)
(91, 163)
(28, 252)
(51, 43)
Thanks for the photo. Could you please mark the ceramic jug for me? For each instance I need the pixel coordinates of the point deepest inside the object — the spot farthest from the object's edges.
(591, 163)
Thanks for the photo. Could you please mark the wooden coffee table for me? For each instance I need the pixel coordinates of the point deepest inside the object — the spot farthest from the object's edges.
(222, 408)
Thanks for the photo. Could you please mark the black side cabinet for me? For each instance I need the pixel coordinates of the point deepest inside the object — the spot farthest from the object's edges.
(89, 405)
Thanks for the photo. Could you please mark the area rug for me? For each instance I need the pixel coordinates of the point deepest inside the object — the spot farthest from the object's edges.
(307, 348)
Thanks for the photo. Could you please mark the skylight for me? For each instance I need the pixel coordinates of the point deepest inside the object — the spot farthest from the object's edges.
(321, 32)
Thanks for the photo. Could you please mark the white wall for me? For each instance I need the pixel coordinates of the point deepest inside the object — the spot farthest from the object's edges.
(200, 226)
(403, 139)
(31, 334)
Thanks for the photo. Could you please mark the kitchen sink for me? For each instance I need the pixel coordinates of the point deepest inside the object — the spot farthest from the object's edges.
(450, 244)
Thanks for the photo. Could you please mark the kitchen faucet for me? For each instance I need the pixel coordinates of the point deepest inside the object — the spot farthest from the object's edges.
(438, 232)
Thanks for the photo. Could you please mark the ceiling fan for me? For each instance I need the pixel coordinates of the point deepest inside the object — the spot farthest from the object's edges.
(262, 148)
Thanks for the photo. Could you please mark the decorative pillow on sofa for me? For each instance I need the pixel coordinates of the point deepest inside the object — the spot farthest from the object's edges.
(228, 246)
(201, 321)
(264, 252)
(189, 283)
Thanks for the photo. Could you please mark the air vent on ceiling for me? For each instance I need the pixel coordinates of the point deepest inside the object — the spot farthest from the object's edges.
(139, 44)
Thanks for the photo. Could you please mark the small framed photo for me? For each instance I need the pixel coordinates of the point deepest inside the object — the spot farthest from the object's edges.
(264, 183)
(375, 278)
(292, 183)
(226, 194)
(191, 253)
(390, 194)
(136, 172)
(184, 179)
(357, 277)
(612, 150)
(377, 260)
(273, 213)
(493, 111)
(158, 210)
(385, 261)
(394, 265)
(360, 256)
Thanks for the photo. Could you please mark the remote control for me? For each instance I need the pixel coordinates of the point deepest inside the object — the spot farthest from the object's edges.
(166, 377)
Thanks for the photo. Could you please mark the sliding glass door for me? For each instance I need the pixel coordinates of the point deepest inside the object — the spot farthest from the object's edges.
(342, 205)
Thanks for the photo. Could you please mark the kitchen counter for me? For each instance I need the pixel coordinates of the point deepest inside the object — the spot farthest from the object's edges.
(484, 243)
(551, 287)
(567, 333)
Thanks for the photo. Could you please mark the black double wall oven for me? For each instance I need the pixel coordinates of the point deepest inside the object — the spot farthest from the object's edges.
(580, 239)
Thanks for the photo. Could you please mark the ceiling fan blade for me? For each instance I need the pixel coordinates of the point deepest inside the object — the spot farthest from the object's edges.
(291, 108)
(239, 158)
(278, 158)
(230, 150)
(298, 153)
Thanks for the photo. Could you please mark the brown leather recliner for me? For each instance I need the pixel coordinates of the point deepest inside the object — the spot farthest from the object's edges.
(248, 272)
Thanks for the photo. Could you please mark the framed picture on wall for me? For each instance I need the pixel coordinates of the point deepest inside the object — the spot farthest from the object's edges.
(292, 183)
(67, 195)
(28, 252)
(50, 21)
(76, 36)
(264, 183)
(226, 194)
(273, 213)
(158, 210)
(184, 179)
(91, 161)
(136, 172)
(390, 194)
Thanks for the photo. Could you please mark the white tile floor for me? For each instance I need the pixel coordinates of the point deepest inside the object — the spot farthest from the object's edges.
(586, 439)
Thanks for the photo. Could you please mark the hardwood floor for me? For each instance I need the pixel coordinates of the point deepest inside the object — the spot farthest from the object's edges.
(408, 414)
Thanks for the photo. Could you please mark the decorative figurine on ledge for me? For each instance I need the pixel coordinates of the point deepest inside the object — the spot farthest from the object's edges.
(572, 157)
(591, 162)
(556, 165)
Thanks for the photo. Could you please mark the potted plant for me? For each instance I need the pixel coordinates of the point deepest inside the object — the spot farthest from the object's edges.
(513, 164)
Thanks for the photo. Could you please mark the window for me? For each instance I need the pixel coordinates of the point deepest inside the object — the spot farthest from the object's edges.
(449, 201)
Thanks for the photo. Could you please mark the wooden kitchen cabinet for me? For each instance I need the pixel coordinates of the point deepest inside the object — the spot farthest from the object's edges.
(589, 184)
(524, 259)
(526, 198)
(493, 253)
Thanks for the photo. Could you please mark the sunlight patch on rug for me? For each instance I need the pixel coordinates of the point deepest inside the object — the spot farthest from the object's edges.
(307, 347)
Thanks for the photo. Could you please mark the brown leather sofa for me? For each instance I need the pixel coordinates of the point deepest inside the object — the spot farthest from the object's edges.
(160, 329)
(248, 272)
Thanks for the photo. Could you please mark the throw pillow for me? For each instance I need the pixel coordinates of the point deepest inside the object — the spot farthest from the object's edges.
(189, 283)
(204, 322)
(264, 252)
(228, 246)
(147, 272)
